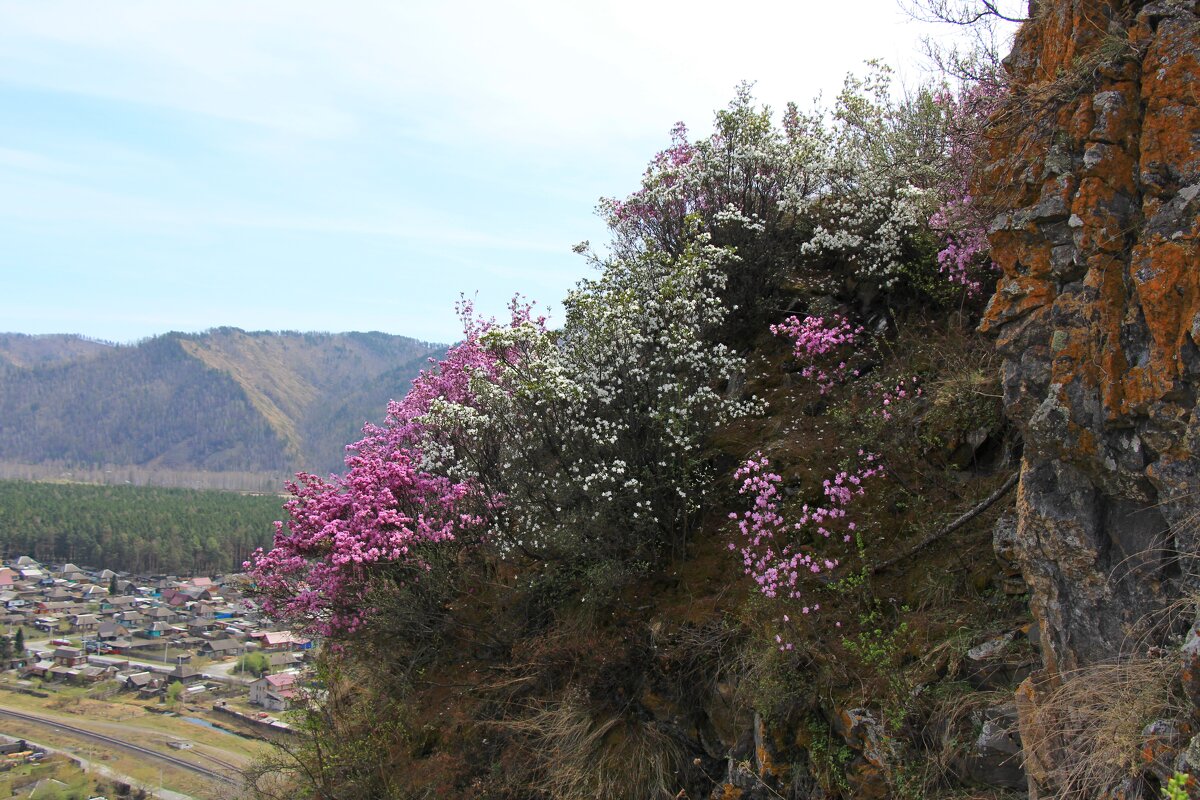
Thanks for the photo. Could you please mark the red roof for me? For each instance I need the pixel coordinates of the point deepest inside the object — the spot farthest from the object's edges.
(273, 638)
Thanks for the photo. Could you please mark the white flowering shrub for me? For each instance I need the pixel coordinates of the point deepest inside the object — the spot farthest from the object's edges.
(840, 199)
(589, 439)
(640, 344)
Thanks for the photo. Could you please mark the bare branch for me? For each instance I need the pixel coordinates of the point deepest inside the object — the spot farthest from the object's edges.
(973, 512)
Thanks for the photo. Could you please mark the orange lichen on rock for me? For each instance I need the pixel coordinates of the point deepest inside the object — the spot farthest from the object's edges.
(1095, 169)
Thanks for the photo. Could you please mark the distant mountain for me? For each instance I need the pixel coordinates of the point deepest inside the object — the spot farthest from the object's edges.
(24, 350)
(225, 400)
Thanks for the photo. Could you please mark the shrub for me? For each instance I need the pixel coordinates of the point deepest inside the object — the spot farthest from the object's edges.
(257, 664)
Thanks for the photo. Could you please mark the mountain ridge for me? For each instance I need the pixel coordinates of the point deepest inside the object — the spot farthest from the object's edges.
(222, 400)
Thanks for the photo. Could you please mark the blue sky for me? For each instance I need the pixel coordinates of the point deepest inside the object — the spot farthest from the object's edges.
(283, 164)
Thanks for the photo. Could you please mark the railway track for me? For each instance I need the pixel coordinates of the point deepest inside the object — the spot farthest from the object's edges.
(133, 748)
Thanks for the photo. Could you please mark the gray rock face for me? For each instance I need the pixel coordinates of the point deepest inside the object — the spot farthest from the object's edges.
(1096, 319)
(1095, 316)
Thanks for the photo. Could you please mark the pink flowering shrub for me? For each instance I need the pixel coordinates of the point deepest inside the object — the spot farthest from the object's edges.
(817, 343)
(380, 520)
(771, 549)
(961, 219)
(383, 524)
(891, 397)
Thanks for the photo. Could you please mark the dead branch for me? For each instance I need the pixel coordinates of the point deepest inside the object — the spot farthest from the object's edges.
(975, 511)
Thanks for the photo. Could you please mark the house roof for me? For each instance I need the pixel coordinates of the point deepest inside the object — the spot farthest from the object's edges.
(139, 678)
(281, 680)
(275, 638)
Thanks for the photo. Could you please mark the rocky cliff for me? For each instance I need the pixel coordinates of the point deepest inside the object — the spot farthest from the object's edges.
(1095, 167)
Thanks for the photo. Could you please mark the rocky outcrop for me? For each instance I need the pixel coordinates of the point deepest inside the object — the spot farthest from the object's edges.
(1095, 166)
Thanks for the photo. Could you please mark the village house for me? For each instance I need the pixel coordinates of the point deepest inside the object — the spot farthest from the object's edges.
(84, 623)
(274, 692)
(157, 630)
(38, 669)
(72, 573)
(222, 648)
(142, 682)
(58, 594)
(117, 603)
(68, 656)
(185, 674)
(284, 660)
(130, 619)
(278, 641)
(159, 614)
(91, 593)
(107, 631)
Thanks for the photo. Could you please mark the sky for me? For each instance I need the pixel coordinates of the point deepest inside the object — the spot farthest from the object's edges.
(354, 165)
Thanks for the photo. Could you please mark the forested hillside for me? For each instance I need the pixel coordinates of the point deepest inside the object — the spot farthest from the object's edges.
(24, 350)
(134, 528)
(225, 400)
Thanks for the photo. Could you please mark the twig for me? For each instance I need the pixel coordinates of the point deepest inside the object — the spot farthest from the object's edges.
(953, 526)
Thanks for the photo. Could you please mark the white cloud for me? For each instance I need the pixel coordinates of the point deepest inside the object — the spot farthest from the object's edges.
(475, 135)
(541, 71)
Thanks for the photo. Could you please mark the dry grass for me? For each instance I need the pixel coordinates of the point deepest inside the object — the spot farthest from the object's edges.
(581, 758)
(1085, 736)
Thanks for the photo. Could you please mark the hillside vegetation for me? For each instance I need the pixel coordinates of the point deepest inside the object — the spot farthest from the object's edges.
(698, 541)
(225, 400)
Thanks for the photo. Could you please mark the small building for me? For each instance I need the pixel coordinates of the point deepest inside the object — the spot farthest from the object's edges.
(63, 673)
(156, 630)
(222, 648)
(141, 681)
(185, 674)
(274, 692)
(107, 631)
(117, 603)
(94, 674)
(84, 623)
(38, 669)
(68, 656)
(278, 641)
